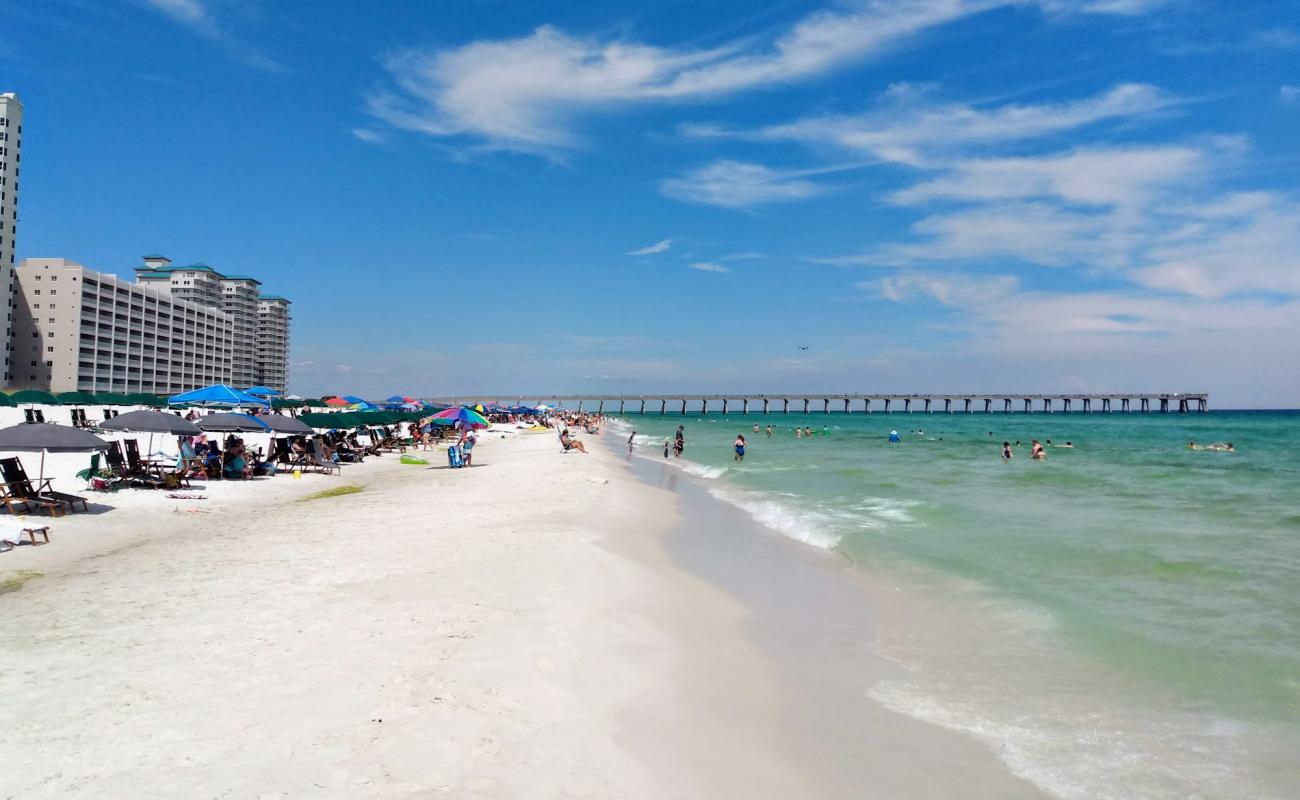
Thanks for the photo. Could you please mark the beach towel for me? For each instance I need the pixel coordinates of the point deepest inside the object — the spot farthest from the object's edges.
(12, 533)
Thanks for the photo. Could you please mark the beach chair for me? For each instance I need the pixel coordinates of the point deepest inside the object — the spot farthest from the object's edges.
(98, 479)
(32, 533)
(318, 459)
(17, 482)
(136, 471)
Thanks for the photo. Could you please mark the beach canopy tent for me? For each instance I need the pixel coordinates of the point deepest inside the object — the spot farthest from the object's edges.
(140, 398)
(262, 391)
(279, 403)
(149, 421)
(231, 423)
(46, 437)
(461, 414)
(77, 398)
(282, 424)
(112, 399)
(217, 395)
(34, 396)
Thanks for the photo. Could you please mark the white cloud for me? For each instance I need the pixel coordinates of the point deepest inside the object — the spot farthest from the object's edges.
(368, 135)
(657, 247)
(1289, 94)
(735, 184)
(908, 133)
(521, 93)
(187, 12)
(946, 288)
(708, 266)
(1110, 177)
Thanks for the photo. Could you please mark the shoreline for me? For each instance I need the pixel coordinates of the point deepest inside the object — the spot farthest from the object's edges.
(528, 627)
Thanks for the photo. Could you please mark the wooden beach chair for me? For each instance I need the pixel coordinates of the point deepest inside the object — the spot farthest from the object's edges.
(19, 484)
(135, 470)
(32, 533)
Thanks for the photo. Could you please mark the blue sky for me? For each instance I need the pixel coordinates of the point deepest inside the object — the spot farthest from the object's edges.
(941, 195)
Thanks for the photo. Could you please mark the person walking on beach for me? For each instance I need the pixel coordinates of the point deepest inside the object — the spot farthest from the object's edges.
(679, 441)
(1006, 451)
(630, 439)
(740, 447)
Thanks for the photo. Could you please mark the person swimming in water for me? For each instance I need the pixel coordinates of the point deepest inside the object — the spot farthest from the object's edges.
(798, 433)
(740, 447)
(893, 436)
(1037, 452)
(1006, 451)
(755, 427)
(769, 431)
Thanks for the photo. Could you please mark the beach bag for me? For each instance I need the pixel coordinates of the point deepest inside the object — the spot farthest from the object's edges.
(453, 457)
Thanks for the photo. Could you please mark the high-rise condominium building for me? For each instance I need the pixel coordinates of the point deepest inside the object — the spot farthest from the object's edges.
(272, 355)
(11, 142)
(255, 361)
(80, 330)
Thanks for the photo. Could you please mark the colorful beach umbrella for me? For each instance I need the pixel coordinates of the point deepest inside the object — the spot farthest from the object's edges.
(336, 402)
(466, 416)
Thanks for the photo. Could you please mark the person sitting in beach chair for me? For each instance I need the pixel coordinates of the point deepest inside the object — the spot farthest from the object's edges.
(569, 443)
(317, 453)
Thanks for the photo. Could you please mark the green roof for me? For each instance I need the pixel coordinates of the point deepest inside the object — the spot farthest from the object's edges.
(243, 278)
(199, 265)
(155, 255)
(274, 297)
(150, 274)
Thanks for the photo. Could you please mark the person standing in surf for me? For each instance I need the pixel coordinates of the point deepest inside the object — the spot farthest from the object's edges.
(740, 447)
(630, 440)
(1006, 451)
(679, 441)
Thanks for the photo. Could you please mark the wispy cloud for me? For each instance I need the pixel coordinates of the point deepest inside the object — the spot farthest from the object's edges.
(740, 185)
(658, 247)
(522, 93)
(191, 13)
(368, 135)
(708, 266)
(908, 131)
(1289, 94)
(198, 17)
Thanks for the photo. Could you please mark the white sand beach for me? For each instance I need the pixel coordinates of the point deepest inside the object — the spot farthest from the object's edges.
(513, 630)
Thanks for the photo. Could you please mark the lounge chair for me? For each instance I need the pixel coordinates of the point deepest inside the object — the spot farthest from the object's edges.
(131, 469)
(17, 483)
(43, 531)
(318, 460)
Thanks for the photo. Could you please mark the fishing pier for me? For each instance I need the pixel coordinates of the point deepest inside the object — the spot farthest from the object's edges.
(1122, 403)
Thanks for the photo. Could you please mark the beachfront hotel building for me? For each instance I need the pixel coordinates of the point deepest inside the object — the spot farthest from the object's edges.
(80, 330)
(174, 329)
(11, 142)
(271, 360)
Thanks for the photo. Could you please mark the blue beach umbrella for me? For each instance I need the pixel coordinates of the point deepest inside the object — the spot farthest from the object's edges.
(217, 395)
(352, 398)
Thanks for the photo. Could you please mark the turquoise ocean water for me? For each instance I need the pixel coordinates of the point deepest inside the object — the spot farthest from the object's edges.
(1121, 620)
